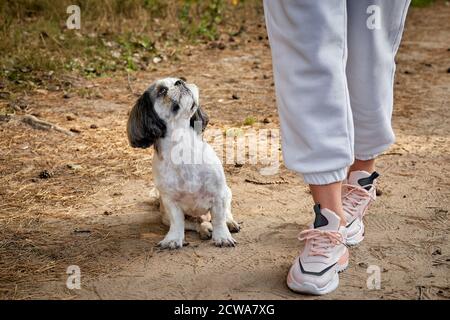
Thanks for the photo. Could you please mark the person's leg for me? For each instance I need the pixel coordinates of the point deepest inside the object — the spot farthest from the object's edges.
(363, 165)
(308, 42)
(329, 197)
(374, 31)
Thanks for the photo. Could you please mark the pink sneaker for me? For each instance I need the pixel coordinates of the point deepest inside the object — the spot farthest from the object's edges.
(357, 194)
(315, 270)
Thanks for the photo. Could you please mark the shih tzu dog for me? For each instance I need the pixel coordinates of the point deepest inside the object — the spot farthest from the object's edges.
(187, 172)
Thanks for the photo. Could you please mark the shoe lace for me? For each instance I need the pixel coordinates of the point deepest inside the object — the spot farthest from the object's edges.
(322, 241)
(355, 196)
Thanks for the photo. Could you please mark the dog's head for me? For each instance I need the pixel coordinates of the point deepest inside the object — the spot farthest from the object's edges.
(166, 102)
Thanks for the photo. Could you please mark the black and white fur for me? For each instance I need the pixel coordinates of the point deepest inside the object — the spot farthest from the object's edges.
(165, 116)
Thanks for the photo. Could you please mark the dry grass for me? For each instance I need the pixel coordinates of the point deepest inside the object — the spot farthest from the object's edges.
(38, 237)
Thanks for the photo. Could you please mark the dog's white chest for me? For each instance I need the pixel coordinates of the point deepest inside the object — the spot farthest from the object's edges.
(193, 187)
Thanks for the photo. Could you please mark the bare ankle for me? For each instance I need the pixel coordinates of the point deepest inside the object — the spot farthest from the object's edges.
(363, 165)
(329, 197)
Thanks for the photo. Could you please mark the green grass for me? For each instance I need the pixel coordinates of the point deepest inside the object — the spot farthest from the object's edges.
(249, 121)
(421, 3)
(36, 48)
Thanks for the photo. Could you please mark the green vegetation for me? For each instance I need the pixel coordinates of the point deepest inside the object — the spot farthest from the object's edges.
(36, 48)
(249, 121)
(421, 3)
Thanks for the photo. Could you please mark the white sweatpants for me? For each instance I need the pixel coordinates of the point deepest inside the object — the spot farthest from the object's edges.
(334, 68)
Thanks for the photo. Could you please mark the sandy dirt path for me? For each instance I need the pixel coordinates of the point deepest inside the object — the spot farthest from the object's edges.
(101, 216)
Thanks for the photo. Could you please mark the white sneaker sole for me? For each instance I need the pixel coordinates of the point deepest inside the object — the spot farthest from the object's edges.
(310, 288)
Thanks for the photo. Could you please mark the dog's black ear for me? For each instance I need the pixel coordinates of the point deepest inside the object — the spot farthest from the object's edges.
(144, 125)
(201, 118)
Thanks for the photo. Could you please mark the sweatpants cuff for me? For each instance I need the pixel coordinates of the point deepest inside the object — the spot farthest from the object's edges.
(375, 152)
(327, 177)
(366, 157)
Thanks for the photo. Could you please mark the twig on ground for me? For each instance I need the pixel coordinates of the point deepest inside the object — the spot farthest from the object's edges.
(44, 125)
(282, 181)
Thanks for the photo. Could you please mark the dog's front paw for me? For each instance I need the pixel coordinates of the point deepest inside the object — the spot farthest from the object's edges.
(223, 238)
(171, 243)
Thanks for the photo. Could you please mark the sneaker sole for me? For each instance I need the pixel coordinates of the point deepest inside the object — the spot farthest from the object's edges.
(309, 288)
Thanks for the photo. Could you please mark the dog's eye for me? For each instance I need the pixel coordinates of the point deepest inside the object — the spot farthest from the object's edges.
(175, 107)
(162, 91)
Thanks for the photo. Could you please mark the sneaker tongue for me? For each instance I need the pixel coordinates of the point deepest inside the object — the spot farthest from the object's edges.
(326, 219)
(362, 178)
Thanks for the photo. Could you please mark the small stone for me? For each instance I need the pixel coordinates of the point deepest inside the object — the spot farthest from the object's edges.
(93, 126)
(90, 70)
(42, 91)
(363, 265)
(75, 130)
(116, 54)
(81, 231)
(437, 252)
(235, 96)
(266, 120)
(53, 88)
(74, 166)
(379, 192)
(5, 117)
(45, 174)
(4, 95)
(70, 118)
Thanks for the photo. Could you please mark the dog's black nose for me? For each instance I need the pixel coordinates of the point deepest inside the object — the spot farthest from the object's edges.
(179, 83)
